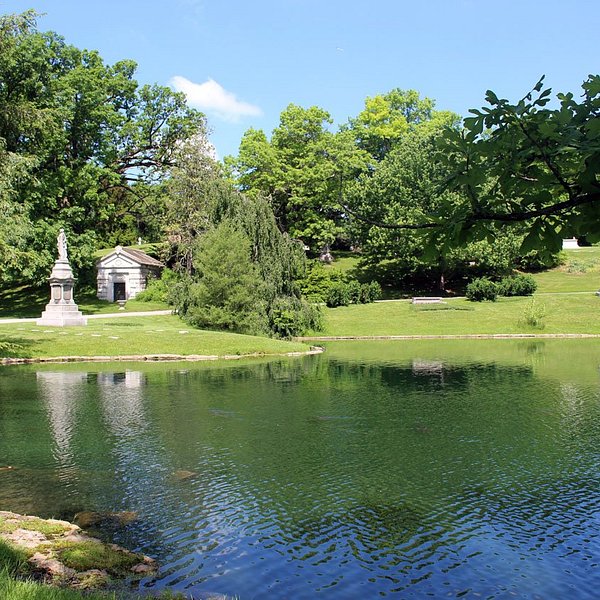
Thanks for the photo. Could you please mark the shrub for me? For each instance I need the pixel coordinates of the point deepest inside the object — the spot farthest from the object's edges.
(354, 291)
(338, 294)
(336, 289)
(315, 285)
(481, 289)
(517, 285)
(534, 314)
(158, 290)
(289, 316)
(369, 292)
(227, 293)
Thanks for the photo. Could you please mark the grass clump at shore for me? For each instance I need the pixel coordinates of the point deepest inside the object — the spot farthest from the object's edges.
(12, 560)
(15, 585)
(18, 589)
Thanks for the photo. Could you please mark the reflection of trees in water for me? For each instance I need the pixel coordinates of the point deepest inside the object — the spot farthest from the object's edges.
(373, 462)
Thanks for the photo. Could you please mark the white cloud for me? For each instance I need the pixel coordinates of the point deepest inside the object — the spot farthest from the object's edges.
(213, 98)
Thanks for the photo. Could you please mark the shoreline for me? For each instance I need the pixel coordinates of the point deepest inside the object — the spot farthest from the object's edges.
(459, 336)
(152, 357)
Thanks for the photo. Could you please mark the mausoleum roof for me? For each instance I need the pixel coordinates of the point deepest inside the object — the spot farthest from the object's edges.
(136, 255)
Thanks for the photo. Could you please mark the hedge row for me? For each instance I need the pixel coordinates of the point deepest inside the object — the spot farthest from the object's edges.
(483, 288)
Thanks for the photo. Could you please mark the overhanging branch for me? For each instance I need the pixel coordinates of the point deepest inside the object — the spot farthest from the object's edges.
(514, 217)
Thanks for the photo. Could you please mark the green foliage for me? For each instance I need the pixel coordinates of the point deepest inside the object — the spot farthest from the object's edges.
(159, 289)
(369, 292)
(386, 118)
(82, 146)
(299, 170)
(316, 281)
(534, 260)
(227, 292)
(406, 186)
(343, 292)
(239, 270)
(196, 197)
(338, 294)
(481, 289)
(336, 288)
(290, 316)
(517, 285)
(544, 164)
(534, 314)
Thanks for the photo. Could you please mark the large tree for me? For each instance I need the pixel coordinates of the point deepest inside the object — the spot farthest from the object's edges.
(93, 142)
(406, 186)
(298, 170)
(386, 118)
(527, 163)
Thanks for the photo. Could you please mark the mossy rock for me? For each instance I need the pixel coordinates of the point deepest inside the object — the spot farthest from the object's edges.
(48, 527)
(92, 554)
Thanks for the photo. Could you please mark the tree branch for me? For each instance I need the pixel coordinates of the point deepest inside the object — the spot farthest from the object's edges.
(514, 217)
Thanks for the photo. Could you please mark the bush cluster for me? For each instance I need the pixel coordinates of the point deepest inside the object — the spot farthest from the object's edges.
(158, 290)
(290, 316)
(342, 293)
(337, 289)
(482, 288)
(517, 285)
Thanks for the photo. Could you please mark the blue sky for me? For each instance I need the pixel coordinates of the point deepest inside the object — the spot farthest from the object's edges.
(243, 62)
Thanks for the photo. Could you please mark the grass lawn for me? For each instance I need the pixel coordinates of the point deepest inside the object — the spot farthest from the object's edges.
(566, 295)
(22, 302)
(579, 273)
(573, 313)
(165, 334)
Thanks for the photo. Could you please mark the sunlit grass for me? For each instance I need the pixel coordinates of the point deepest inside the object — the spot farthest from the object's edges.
(577, 313)
(28, 302)
(163, 334)
(580, 272)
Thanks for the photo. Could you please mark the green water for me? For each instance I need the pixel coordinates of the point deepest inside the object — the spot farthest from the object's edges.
(408, 469)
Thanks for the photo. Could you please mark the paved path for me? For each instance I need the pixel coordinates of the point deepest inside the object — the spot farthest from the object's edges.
(147, 313)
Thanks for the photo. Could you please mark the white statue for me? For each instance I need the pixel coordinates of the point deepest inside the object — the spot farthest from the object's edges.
(61, 243)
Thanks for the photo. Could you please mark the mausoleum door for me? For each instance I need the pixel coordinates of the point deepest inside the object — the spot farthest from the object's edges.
(119, 291)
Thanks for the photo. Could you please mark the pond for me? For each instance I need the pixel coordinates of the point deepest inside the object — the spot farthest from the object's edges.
(407, 469)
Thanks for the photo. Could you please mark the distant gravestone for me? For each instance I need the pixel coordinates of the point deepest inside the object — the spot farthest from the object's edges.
(570, 244)
(61, 311)
(427, 300)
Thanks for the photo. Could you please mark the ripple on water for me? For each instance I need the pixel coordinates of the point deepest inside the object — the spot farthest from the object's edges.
(407, 480)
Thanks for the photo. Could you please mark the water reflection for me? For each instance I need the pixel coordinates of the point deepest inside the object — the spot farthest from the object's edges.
(344, 475)
(61, 393)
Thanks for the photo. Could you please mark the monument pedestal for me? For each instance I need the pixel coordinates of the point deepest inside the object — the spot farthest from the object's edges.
(61, 311)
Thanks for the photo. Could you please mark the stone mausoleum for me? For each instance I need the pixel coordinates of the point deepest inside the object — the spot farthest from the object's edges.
(125, 272)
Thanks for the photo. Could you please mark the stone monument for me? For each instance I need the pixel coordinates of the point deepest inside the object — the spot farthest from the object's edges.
(61, 310)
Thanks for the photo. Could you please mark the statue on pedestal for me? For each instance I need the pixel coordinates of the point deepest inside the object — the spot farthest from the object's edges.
(61, 242)
(61, 310)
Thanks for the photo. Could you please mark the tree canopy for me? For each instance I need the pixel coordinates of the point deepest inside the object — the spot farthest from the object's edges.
(81, 145)
(521, 163)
